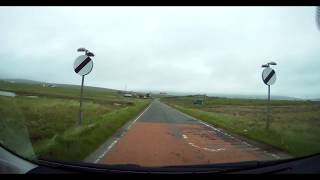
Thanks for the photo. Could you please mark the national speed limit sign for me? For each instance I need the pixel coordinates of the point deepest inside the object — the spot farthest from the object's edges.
(83, 65)
(269, 76)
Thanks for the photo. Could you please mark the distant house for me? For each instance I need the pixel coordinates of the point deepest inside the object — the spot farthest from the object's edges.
(140, 95)
(51, 85)
(199, 99)
(48, 85)
(127, 95)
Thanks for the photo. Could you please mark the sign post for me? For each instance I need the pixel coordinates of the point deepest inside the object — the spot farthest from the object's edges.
(318, 17)
(268, 110)
(81, 95)
(82, 65)
(269, 78)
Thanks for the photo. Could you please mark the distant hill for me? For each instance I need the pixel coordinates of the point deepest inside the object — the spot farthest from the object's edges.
(24, 81)
(277, 97)
(27, 81)
(87, 87)
(238, 96)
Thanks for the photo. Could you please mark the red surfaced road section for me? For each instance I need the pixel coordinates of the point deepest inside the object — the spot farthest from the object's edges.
(163, 144)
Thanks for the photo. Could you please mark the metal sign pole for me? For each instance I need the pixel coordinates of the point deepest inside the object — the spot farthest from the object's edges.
(269, 78)
(83, 65)
(268, 109)
(81, 94)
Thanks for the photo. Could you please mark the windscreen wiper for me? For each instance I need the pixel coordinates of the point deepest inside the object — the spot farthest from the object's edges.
(306, 164)
(134, 168)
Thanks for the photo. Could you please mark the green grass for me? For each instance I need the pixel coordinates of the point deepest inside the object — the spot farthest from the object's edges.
(295, 126)
(46, 117)
(78, 142)
(48, 126)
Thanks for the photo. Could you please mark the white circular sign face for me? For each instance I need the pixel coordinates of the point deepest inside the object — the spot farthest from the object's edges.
(269, 76)
(83, 65)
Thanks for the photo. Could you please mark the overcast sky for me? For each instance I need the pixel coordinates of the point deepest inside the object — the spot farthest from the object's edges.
(188, 49)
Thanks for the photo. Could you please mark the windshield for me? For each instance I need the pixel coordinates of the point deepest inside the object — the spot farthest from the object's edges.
(160, 86)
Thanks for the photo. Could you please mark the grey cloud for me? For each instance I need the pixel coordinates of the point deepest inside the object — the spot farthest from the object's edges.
(204, 49)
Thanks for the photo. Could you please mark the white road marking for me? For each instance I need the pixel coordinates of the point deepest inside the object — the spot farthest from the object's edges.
(220, 131)
(226, 134)
(274, 155)
(184, 136)
(138, 117)
(206, 149)
(243, 142)
(105, 152)
(215, 129)
(117, 139)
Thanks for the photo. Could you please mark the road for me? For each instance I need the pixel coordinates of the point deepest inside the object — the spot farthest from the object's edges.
(163, 136)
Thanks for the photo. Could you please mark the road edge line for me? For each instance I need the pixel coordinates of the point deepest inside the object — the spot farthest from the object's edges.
(114, 142)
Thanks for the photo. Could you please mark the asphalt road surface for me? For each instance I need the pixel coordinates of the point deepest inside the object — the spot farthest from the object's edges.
(164, 136)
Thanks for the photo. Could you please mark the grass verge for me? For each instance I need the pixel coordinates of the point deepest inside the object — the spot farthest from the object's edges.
(296, 133)
(78, 142)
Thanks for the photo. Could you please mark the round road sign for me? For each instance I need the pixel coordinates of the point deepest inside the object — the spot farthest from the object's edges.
(269, 76)
(83, 65)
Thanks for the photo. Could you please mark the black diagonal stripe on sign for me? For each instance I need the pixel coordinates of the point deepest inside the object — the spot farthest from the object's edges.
(269, 76)
(85, 62)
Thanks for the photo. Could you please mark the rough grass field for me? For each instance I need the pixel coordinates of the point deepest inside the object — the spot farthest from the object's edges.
(295, 125)
(48, 119)
(78, 142)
